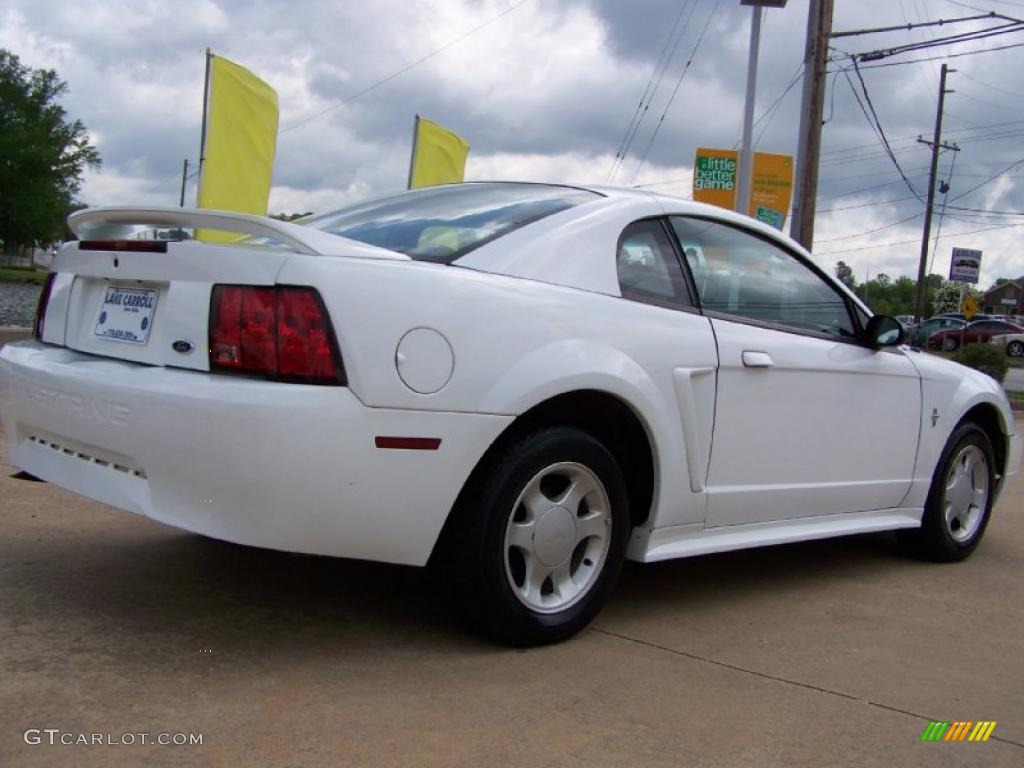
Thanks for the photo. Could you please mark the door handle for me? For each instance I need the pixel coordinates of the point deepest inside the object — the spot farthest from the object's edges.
(757, 359)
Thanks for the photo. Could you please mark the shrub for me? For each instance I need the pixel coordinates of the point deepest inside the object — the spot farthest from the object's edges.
(986, 358)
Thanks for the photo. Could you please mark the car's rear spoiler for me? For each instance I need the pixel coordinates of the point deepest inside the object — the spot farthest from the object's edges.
(109, 223)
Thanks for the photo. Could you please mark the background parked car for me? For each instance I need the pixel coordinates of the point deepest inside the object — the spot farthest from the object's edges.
(1011, 343)
(978, 331)
(974, 318)
(918, 335)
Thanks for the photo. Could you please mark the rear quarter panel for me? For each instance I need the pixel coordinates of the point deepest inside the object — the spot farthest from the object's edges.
(517, 343)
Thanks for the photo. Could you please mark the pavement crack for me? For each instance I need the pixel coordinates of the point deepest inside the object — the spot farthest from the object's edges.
(783, 680)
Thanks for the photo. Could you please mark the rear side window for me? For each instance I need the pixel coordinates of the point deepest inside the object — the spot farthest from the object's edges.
(441, 224)
(647, 265)
(740, 274)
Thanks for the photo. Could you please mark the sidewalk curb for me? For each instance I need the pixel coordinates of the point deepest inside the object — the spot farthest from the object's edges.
(13, 333)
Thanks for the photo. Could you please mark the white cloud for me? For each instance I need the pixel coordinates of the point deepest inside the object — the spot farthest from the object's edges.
(543, 93)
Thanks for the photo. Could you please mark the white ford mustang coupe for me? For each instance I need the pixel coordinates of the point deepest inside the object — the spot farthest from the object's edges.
(524, 384)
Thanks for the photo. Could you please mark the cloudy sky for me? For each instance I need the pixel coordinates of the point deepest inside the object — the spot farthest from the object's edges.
(545, 90)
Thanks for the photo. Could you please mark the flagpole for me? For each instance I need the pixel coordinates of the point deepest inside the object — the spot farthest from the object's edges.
(202, 135)
(412, 155)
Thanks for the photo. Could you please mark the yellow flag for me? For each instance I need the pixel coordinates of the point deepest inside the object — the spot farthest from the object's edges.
(241, 136)
(438, 155)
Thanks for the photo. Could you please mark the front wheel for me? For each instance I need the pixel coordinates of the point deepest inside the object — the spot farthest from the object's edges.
(543, 536)
(950, 343)
(1015, 349)
(960, 499)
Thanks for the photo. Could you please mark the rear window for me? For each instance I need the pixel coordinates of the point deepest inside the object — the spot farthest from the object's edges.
(441, 224)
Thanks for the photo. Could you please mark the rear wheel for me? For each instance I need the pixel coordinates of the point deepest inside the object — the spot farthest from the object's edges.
(950, 343)
(1015, 349)
(960, 500)
(542, 538)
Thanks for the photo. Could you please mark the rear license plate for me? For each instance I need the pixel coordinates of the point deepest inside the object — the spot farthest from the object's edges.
(126, 314)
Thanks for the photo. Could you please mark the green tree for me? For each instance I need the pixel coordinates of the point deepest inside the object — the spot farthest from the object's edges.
(845, 273)
(947, 297)
(43, 155)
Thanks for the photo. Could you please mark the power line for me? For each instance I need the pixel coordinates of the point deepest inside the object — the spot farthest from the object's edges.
(1013, 25)
(866, 205)
(990, 179)
(890, 225)
(942, 212)
(937, 58)
(774, 107)
(402, 71)
(794, 79)
(994, 88)
(851, 193)
(905, 242)
(987, 212)
(672, 97)
(913, 138)
(664, 59)
(877, 125)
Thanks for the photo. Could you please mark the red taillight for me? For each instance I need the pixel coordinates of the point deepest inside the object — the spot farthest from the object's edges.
(281, 332)
(44, 299)
(305, 347)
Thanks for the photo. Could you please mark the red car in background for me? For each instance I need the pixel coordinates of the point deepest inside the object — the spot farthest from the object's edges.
(978, 331)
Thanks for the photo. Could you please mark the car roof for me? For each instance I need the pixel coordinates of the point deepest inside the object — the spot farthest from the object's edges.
(590, 232)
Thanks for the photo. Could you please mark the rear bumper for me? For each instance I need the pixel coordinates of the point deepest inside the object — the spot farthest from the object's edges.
(282, 466)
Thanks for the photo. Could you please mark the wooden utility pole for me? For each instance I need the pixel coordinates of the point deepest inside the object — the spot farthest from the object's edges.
(819, 28)
(936, 145)
(184, 178)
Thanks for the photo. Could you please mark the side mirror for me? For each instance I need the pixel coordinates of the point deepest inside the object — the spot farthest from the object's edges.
(884, 331)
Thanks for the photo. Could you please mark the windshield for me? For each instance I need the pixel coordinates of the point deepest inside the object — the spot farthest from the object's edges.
(444, 223)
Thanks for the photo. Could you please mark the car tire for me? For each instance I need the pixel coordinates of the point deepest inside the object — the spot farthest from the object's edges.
(950, 343)
(1015, 349)
(539, 538)
(960, 499)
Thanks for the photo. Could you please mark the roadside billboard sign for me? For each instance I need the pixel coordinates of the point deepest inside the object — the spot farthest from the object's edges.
(771, 188)
(965, 265)
(715, 182)
(714, 177)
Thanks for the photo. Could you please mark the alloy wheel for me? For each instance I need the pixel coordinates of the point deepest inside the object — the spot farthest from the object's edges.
(966, 496)
(557, 537)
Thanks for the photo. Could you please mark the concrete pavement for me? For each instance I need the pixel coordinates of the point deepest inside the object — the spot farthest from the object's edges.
(826, 653)
(1014, 380)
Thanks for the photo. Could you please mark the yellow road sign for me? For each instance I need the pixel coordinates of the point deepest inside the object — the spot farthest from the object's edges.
(970, 307)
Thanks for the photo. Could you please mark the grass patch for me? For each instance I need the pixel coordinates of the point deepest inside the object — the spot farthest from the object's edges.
(22, 275)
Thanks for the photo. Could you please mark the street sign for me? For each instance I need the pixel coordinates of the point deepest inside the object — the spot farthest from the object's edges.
(715, 182)
(965, 265)
(970, 307)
